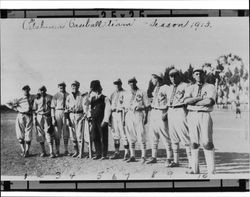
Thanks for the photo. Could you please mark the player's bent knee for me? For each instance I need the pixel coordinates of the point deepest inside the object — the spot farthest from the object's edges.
(208, 146)
(195, 146)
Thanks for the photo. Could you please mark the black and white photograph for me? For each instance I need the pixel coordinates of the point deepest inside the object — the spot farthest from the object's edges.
(125, 98)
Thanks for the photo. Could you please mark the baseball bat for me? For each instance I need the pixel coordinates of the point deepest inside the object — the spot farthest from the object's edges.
(82, 142)
(89, 139)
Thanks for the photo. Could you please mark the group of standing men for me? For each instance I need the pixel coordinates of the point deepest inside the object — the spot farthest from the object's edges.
(179, 113)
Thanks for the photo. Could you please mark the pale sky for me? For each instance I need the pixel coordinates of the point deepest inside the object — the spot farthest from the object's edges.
(48, 56)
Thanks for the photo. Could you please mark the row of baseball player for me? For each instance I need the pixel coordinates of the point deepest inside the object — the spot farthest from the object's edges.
(179, 113)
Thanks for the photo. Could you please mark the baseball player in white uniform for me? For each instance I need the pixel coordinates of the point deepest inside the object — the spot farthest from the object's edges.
(24, 120)
(117, 120)
(200, 98)
(43, 120)
(158, 126)
(136, 109)
(177, 122)
(76, 107)
(58, 107)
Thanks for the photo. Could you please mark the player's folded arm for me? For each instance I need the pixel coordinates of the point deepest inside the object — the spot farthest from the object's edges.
(206, 102)
(191, 101)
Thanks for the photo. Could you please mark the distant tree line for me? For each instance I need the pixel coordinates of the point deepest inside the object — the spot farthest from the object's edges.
(217, 73)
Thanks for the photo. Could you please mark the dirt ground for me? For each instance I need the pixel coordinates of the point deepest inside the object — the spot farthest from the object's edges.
(231, 139)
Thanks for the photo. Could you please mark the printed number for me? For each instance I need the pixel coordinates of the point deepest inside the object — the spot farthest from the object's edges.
(25, 176)
(72, 175)
(141, 13)
(113, 14)
(127, 174)
(153, 174)
(103, 14)
(99, 175)
(114, 177)
(131, 13)
(170, 173)
(58, 174)
(202, 176)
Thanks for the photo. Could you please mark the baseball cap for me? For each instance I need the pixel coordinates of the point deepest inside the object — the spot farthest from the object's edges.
(173, 72)
(198, 69)
(117, 81)
(76, 83)
(42, 88)
(158, 74)
(62, 84)
(132, 80)
(26, 87)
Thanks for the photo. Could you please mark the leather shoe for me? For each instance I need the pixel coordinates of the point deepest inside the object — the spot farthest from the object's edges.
(66, 153)
(43, 155)
(126, 157)
(152, 160)
(115, 156)
(168, 163)
(75, 154)
(173, 165)
(104, 158)
(97, 157)
(131, 159)
(52, 155)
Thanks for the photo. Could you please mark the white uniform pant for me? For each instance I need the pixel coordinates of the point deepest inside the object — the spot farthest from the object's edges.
(178, 128)
(24, 126)
(200, 126)
(158, 128)
(135, 131)
(61, 129)
(76, 131)
(42, 130)
(118, 130)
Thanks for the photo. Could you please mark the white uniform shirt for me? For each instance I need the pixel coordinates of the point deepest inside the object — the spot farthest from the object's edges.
(59, 100)
(76, 104)
(23, 105)
(207, 91)
(176, 94)
(160, 97)
(117, 100)
(42, 105)
(136, 98)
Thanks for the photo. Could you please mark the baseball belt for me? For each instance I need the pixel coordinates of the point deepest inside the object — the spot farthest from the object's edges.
(175, 107)
(26, 113)
(77, 112)
(156, 108)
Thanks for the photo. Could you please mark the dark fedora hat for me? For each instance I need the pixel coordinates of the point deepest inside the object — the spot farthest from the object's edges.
(95, 85)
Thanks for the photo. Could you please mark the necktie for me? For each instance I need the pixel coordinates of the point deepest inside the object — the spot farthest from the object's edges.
(116, 99)
(44, 104)
(133, 97)
(64, 100)
(199, 90)
(155, 95)
(173, 94)
(29, 103)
